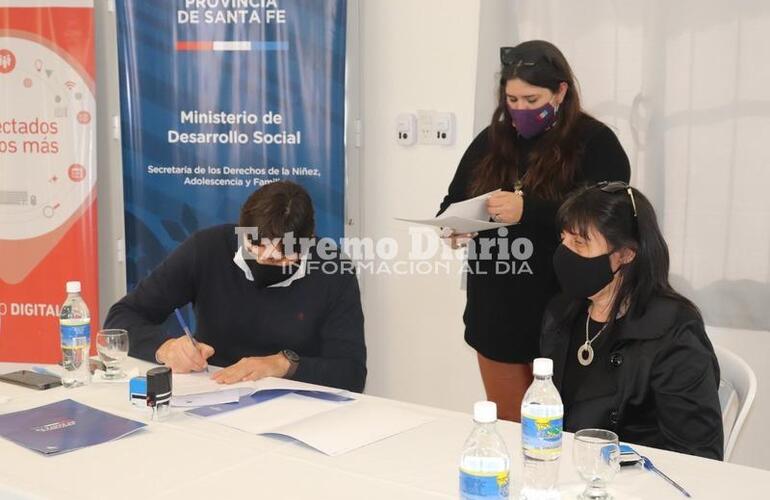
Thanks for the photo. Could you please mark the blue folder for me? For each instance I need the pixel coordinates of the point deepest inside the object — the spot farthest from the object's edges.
(64, 426)
(261, 397)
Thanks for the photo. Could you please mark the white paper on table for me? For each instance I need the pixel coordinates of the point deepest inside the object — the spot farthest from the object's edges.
(184, 384)
(281, 383)
(330, 427)
(207, 398)
(269, 415)
(352, 426)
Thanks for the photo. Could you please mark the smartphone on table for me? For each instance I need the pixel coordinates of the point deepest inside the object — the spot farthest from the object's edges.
(33, 380)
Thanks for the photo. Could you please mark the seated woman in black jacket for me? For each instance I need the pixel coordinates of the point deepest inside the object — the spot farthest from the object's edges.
(630, 354)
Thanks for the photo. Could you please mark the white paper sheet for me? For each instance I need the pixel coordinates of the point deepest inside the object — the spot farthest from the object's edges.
(184, 384)
(352, 426)
(207, 398)
(473, 208)
(273, 414)
(468, 216)
(458, 224)
(330, 427)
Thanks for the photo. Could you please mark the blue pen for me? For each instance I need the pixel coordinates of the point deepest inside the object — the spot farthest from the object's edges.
(650, 467)
(187, 330)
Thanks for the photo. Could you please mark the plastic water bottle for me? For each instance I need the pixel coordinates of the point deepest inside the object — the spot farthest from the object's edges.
(75, 336)
(542, 416)
(485, 463)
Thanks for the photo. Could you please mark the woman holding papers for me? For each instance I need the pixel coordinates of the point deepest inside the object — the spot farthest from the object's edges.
(540, 146)
(629, 353)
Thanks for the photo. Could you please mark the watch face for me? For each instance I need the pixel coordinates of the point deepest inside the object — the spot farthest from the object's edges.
(47, 166)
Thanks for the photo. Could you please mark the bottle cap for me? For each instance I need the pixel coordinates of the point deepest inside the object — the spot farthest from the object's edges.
(73, 287)
(542, 367)
(485, 412)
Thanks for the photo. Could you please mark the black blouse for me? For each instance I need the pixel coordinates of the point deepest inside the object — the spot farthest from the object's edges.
(575, 374)
(506, 296)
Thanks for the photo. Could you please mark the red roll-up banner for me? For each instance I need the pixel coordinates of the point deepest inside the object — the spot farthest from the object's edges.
(47, 171)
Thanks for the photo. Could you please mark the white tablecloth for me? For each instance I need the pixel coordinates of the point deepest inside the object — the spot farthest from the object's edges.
(188, 457)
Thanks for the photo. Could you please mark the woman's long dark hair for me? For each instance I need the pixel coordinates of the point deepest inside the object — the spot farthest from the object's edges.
(612, 215)
(551, 163)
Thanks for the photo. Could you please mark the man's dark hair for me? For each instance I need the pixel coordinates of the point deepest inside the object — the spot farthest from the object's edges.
(279, 208)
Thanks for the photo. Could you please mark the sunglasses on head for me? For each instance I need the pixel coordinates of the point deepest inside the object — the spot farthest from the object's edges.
(614, 187)
(510, 56)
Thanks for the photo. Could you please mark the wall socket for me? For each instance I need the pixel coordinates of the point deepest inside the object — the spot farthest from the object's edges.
(406, 129)
(435, 127)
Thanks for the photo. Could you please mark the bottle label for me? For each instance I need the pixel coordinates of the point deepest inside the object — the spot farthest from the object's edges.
(480, 486)
(75, 335)
(542, 433)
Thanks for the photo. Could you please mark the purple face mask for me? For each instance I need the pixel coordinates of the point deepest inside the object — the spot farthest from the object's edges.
(532, 122)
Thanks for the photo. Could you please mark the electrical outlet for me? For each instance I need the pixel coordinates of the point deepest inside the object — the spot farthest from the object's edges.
(437, 128)
(444, 124)
(426, 130)
(406, 129)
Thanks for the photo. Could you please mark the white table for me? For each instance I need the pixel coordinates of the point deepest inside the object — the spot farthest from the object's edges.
(187, 457)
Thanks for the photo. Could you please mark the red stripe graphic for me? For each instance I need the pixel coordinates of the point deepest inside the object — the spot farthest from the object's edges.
(182, 45)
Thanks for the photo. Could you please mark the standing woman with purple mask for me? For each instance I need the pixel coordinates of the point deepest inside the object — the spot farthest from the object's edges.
(540, 146)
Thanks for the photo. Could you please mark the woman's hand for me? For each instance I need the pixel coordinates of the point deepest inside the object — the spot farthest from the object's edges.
(504, 206)
(457, 240)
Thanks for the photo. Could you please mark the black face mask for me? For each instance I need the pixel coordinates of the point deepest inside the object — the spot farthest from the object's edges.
(266, 275)
(581, 277)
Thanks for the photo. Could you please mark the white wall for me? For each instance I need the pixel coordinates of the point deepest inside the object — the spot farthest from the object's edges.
(415, 55)
(493, 34)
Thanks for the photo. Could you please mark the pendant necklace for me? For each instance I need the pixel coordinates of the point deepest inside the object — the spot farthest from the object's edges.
(585, 353)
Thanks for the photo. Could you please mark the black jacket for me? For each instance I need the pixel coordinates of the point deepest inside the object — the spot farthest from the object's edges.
(318, 316)
(659, 386)
(506, 296)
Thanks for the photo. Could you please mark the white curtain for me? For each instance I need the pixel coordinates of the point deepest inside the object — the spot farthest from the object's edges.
(685, 84)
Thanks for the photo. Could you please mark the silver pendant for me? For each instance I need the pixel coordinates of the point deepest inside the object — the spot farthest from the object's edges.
(585, 354)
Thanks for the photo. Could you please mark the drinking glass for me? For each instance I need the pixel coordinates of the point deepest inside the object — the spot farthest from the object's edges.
(112, 346)
(596, 454)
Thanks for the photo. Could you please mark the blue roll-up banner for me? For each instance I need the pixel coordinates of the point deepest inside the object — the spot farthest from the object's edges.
(219, 97)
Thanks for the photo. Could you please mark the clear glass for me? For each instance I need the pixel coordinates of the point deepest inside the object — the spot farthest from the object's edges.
(596, 453)
(112, 346)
